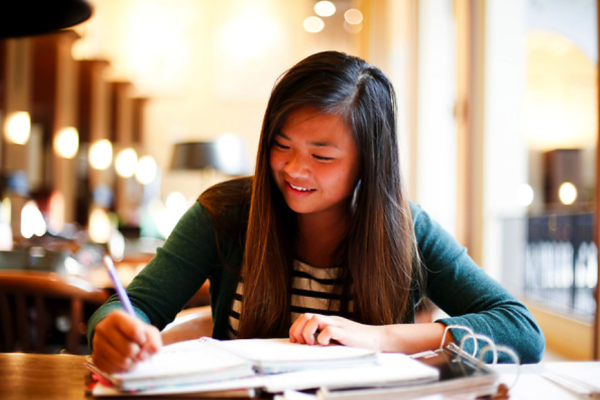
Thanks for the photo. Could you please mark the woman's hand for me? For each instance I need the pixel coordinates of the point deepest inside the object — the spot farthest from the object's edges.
(321, 329)
(121, 340)
(400, 338)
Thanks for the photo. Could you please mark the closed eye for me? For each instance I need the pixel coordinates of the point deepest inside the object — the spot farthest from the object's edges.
(281, 146)
(321, 158)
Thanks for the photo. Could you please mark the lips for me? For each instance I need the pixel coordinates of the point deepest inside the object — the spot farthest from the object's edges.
(298, 191)
(300, 188)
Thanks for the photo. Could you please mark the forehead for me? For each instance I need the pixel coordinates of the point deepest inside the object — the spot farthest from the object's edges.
(312, 125)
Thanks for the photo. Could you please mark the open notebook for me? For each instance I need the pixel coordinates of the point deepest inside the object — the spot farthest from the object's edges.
(271, 364)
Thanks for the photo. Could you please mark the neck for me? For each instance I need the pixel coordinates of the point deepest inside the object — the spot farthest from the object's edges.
(319, 237)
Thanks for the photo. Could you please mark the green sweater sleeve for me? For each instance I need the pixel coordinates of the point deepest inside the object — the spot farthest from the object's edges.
(471, 297)
(187, 258)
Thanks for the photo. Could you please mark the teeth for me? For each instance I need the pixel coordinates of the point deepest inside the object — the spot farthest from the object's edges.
(299, 188)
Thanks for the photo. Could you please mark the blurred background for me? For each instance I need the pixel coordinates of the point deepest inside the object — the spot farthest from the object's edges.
(113, 127)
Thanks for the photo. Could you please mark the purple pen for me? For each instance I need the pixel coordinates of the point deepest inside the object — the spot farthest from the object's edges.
(110, 266)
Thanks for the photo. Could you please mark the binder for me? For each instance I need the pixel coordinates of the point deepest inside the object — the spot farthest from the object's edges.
(459, 373)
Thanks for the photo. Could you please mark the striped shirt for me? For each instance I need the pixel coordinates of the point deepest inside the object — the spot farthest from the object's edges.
(312, 292)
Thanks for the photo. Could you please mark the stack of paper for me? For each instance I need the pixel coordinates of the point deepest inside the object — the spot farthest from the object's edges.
(274, 365)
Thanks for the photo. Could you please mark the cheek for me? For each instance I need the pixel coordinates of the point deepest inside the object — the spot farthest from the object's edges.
(344, 180)
(276, 162)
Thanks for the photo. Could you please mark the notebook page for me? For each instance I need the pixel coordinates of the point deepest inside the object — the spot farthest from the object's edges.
(391, 370)
(282, 350)
(189, 357)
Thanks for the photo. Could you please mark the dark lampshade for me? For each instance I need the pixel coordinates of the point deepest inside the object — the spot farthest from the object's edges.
(34, 17)
(194, 156)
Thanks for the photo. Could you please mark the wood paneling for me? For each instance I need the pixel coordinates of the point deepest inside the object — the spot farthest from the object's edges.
(568, 337)
(54, 106)
(470, 31)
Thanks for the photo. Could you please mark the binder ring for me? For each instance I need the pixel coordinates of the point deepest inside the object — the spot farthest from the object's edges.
(464, 328)
(504, 349)
(476, 336)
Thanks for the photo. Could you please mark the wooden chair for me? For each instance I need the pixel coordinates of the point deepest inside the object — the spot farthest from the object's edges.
(189, 324)
(30, 292)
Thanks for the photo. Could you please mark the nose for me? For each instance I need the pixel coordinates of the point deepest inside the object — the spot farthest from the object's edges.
(295, 166)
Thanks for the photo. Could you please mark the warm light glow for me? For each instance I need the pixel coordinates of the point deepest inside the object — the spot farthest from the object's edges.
(146, 170)
(176, 203)
(352, 28)
(166, 218)
(57, 212)
(353, 16)
(66, 143)
(6, 210)
(6, 236)
(567, 193)
(249, 33)
(325, 8)
(32, 221)
(560, 102)
(99, 226)
(18, 127)
(524, 195)
(73, 267)
(313, 24)
(101, 154)
(231, 154)
(157, 55)
(126, 163)
(116, 245)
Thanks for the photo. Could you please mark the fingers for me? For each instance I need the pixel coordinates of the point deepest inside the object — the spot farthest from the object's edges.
(297, 328)
(330, 335)
(109, 360)
(152, 345)
(305, 329)
(327, 330)
(121, 340)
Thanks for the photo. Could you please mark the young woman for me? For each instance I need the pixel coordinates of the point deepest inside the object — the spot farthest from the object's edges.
(320, 240)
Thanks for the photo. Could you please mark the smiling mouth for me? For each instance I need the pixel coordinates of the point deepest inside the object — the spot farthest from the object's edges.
(299, 188)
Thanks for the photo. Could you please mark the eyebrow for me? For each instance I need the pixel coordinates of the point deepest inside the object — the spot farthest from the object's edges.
(317, 144)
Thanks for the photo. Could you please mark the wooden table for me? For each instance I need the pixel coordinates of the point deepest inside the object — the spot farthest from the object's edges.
(44, 377)
(63, 377)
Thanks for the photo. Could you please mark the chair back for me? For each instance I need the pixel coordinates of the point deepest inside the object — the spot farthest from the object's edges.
(189, 324)
(25, 299)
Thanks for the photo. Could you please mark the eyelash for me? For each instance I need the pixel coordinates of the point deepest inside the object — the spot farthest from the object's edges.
(320, 158)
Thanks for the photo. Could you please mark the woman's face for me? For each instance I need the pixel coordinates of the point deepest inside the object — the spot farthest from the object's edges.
(314, 162)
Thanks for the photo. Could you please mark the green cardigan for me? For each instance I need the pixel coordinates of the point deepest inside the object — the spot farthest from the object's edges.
(454, 283)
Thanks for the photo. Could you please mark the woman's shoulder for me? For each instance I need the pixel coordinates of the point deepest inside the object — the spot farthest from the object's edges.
(416, 212)
(427, 229)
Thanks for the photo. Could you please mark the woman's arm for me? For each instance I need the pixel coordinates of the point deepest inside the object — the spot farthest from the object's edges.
(399, 338)
(460, 288)
(163, 287)
(471, 297)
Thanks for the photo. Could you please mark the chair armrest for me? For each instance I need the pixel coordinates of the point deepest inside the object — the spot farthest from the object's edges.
(189, 324)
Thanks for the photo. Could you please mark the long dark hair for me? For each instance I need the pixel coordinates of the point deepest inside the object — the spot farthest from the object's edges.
(379, 252)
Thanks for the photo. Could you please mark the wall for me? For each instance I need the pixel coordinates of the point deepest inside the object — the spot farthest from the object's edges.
(207, 66)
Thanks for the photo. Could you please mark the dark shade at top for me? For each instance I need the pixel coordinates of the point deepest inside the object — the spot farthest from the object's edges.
(35, 17)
